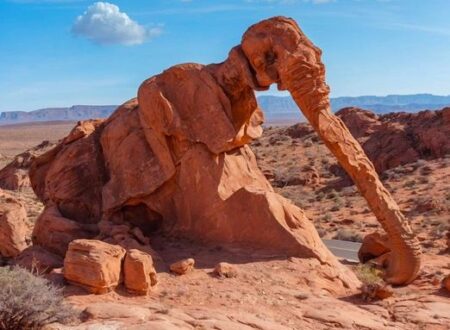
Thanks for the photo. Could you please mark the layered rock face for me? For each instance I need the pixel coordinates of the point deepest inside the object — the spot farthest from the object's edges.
(399, 138)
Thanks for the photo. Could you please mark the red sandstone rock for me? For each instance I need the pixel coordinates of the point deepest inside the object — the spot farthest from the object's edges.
(376, 291)
(139, 273)
(14, 176)
(446, 283)
(374, 245)
(13, 227)
(224, 269)
(183, 266)
(399, 138)
(93, 265)
(71, 174)
(54, 232)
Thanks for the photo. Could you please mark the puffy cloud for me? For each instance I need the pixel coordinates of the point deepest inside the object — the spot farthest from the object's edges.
(104, 23)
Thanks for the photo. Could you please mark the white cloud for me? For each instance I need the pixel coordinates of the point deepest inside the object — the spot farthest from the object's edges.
(104, 23)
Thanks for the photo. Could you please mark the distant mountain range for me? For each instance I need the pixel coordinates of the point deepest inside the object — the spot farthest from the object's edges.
(276, 108)
(280, 109)
(76, 112)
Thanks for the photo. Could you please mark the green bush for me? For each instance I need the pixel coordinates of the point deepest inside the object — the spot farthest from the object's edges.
(29, 302)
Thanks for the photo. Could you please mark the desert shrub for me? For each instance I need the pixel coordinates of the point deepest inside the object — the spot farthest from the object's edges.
(29, 302)
(426, 170)
(368, 274)
(419, 163)
(335, 208)
(315, 138)
(348, 235)
(332, 194)
(327, 217)
(399, 169)
(299, 201)
(320, 195)
(410, 183)
(308, 144)
(338, 204)
(339, 201)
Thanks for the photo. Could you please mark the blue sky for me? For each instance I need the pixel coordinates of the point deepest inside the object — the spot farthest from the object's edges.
(50, 58)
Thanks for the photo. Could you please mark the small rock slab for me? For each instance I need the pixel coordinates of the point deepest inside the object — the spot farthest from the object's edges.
(107, 311)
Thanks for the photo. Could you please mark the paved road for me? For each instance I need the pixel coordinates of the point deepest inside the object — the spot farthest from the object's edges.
(343, 249)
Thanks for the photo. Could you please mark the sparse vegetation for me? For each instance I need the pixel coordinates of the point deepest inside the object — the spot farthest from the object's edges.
(335, 208)
(320, 195)
(332, 194)
(368, 274)
(426, 170)
(29, 302)
(410, 184)
(348, 235)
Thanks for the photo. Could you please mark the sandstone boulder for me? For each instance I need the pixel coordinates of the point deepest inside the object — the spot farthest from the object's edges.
(14, 176)
(224, 269)
(399, 138)
(183, 266)
(71, 174)
(93, 265)
(14, 230)
(54, 232)
(376, 291)
(373, 246)
(139, 273)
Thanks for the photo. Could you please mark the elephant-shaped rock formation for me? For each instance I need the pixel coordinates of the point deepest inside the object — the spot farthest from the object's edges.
(176, 160)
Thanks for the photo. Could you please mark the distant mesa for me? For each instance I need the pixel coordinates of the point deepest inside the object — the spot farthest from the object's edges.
(277, 109)
(73, 113)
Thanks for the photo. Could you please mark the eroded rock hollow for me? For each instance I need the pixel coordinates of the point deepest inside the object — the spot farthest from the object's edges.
(177, 160)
